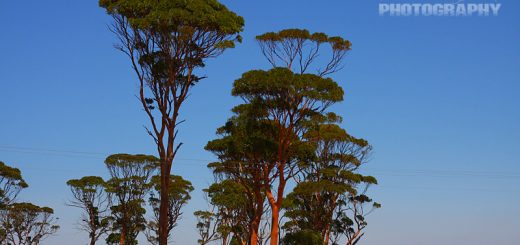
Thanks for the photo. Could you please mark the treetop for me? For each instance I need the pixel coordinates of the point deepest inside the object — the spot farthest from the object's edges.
(282, 82)
(87, 181)
(14, 174)
(174, 15)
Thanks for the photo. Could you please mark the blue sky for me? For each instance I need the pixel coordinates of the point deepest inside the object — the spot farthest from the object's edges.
(437, 97)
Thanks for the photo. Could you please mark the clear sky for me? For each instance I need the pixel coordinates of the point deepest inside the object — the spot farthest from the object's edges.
(437, 97)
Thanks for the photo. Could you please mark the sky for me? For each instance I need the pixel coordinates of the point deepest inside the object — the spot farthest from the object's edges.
(437, 97)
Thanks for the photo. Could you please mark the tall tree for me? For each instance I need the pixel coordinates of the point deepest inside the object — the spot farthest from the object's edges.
(167, 41)
(89, 194)
(129, 185)
(11, 183)
(290, 103)
(28, 224)
(291, 97)
(178, 197)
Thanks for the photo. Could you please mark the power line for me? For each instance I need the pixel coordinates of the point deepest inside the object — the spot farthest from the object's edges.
(384, 172)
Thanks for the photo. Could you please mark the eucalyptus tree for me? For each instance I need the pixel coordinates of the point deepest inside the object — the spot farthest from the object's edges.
(179, 195)
(289, 102)
(129, 184)
(350, 221)
(329, 185)
(28, 224)
(207, 225)
(243, 150)
(292, 96)
(11, 183)
(229, 216)
(88, 194)
(167, 42)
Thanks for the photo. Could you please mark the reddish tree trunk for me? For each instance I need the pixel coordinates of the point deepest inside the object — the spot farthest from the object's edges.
(164, 204)
(122, 238)
(274, 225)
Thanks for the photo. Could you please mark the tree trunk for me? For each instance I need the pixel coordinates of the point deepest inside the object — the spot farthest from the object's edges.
(255, 223)
(274, 224)
(255, 226)
(164, 205)
(92, 238)
(327, 236)
(122, 238)
(224, 240)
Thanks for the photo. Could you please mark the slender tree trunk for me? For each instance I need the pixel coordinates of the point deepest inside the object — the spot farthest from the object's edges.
(92, 238)
(274, 224)
(255, 224)
(327, 236)
(122, 238)
(275, 204)
(164, 204)
(254, 227)
(224, 240)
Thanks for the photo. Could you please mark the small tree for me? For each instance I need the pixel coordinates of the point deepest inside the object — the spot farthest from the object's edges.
(129, 185)
(350, 220)
(207, 226)
(28, 224)
(11, 183)
(167, 41)
(89, 194)
(327, 183)
(243, 151)
(179, 195)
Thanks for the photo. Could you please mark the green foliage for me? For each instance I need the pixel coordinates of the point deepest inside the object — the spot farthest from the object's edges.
(179, 195)
(130, 183)
(206, 226)
(11, 183)
(87, 184)
(302, 237)
(318, 37)
(185, 17)
(89, 195)
(278, 85)
(26, 223)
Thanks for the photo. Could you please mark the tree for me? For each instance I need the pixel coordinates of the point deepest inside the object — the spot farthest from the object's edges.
(207, 225)
(290, 103)
(167, 41)
(290, 99)
(352, 226)
(327, 182)
(89, 194)
(28, 224)
(229, 217)
(11, 183)
(178, 197)
(129, 185)
(235, 210)
(243, 150)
